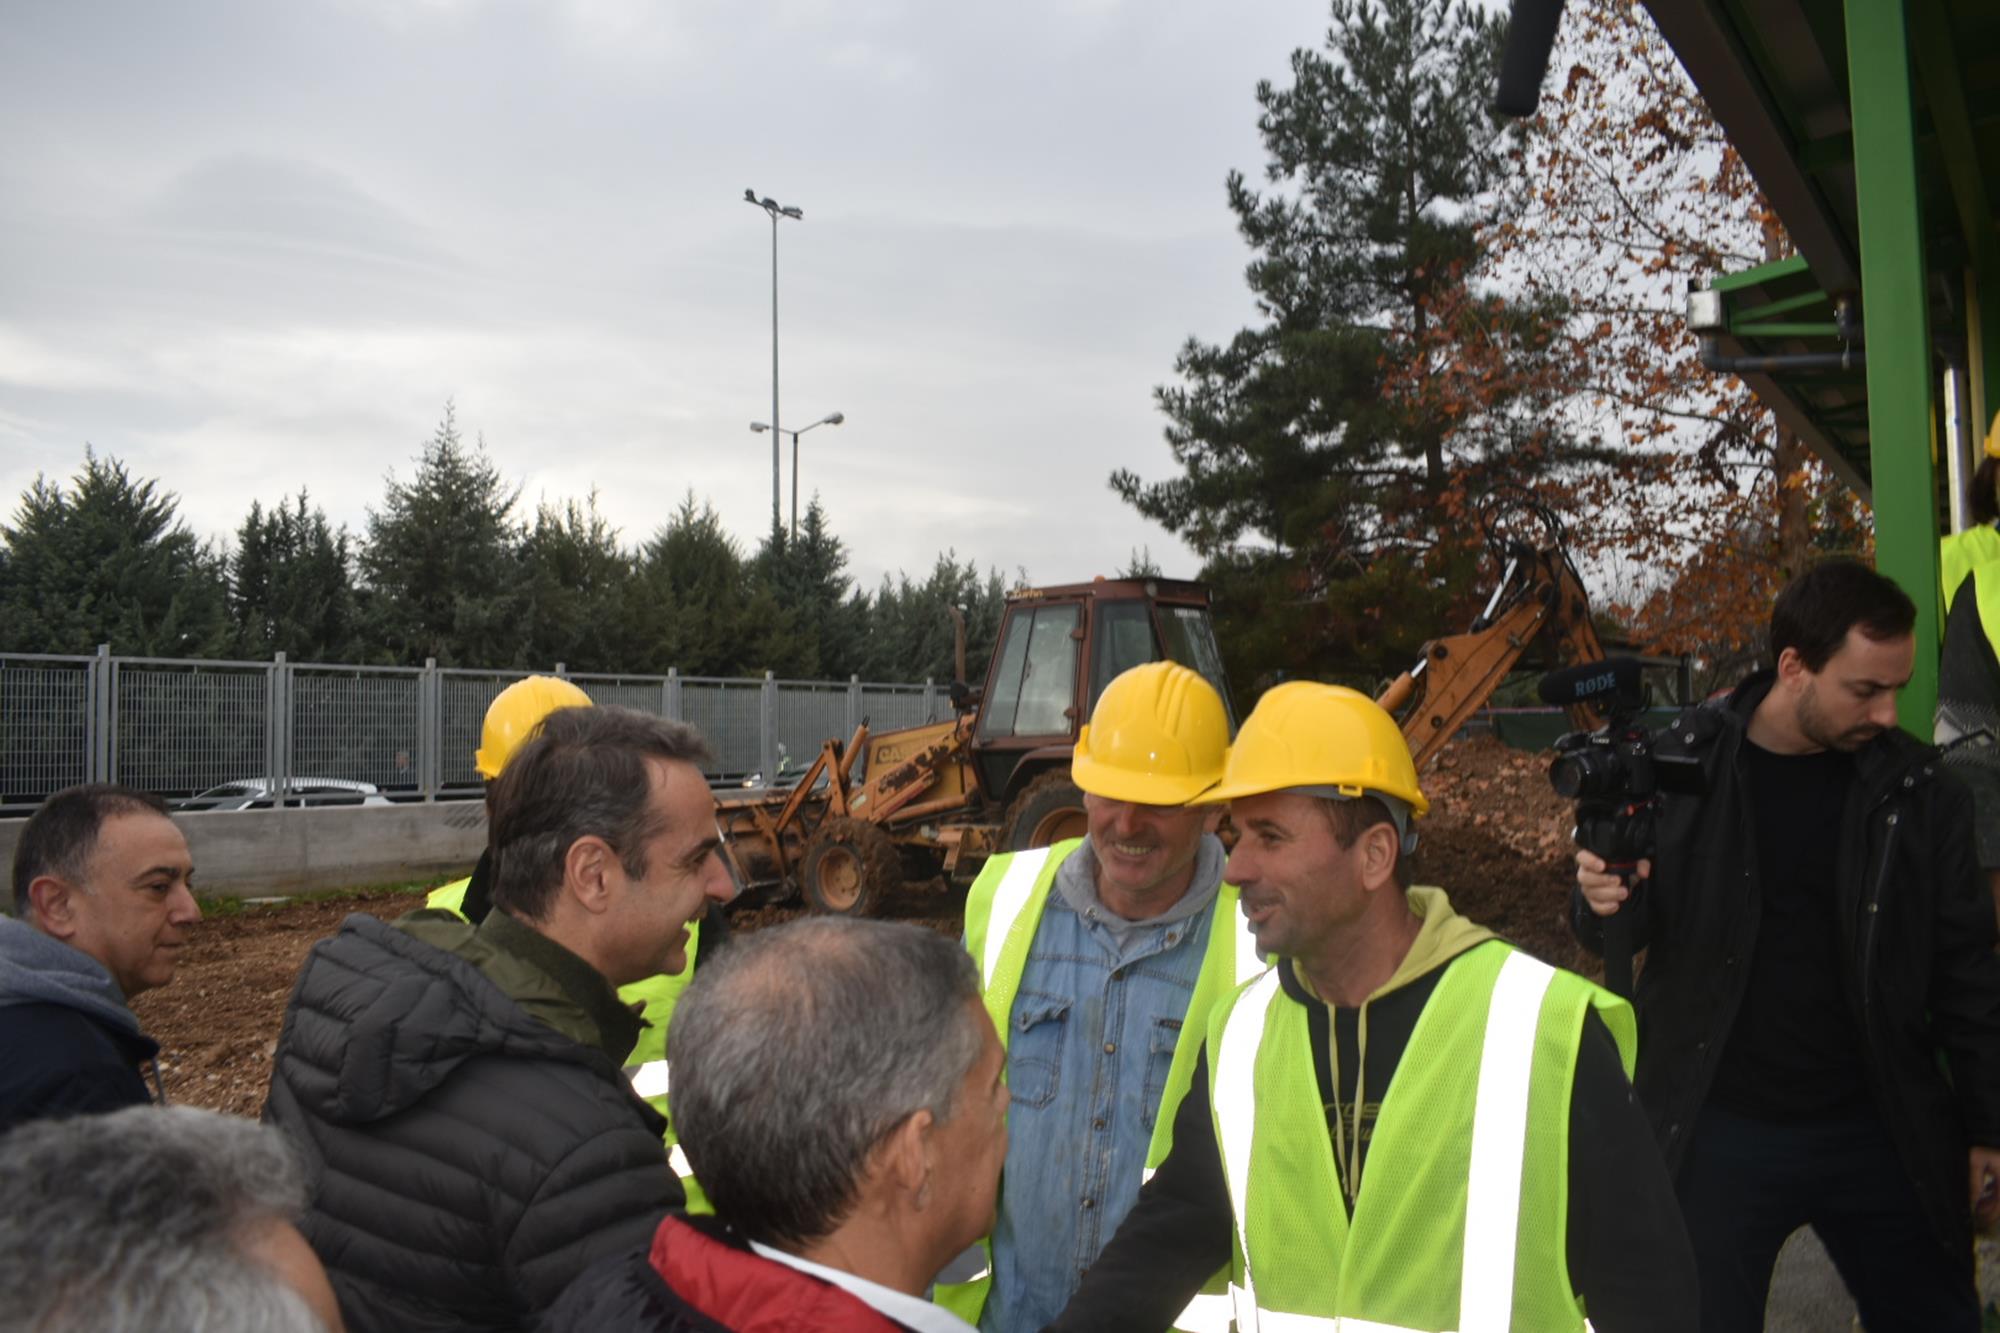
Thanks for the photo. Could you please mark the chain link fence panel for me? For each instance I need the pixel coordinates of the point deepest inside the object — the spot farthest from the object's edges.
(44, 727)
(180, 729)
(358, 724)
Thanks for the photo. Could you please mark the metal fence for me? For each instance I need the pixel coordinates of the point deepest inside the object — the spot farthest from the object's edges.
(180, 728)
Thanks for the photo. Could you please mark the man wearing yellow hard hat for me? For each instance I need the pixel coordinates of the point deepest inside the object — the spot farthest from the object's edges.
(1405, 1123)
(1968, 707)
(1098, 959)
(514, 715)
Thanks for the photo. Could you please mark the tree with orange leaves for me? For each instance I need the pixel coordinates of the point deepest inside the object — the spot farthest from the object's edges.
(1624, 191)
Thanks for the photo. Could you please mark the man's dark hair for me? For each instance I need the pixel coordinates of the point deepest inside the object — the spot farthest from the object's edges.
(1985, 495)
(801, 1048)
(1352, 818)
(1815, 610)
(60, 837)
(583, 773)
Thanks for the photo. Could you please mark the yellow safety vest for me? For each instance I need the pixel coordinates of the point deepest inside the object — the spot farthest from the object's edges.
(647, 1065)
(1003, 910)
(1458, 1226)
(1976, 550)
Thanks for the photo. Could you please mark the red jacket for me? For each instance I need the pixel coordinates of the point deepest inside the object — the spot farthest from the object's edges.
(700, 1277)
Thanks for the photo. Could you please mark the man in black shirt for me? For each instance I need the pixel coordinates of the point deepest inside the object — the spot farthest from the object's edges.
(1336, 1162)
(1819, 943)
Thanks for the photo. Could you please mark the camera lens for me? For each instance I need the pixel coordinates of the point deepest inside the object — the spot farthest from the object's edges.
(1568, 775)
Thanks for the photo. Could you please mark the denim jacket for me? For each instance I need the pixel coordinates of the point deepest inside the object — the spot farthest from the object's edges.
(1093, 1033)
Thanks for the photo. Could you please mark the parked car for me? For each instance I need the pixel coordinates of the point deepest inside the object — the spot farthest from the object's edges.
(270, 793)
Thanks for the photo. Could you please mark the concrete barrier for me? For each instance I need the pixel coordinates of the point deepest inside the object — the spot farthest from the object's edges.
(247, 853)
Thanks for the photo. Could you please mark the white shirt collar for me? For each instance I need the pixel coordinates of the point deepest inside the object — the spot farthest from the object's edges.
(905, 1309)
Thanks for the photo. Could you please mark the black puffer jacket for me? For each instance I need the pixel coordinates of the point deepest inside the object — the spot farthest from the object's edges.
(466, 1160)
(1917, 928)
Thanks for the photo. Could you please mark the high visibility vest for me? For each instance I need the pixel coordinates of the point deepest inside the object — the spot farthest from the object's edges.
(1458, 1225)
(1976, 550)
(647, 1065)
(1003, 910)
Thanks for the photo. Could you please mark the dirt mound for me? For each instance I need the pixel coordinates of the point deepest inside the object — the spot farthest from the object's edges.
(1497, 839)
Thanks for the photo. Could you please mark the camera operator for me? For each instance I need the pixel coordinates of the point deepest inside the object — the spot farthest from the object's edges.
(1819, 936)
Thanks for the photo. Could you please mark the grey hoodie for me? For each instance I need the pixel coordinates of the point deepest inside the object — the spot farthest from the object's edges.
(68, 1040)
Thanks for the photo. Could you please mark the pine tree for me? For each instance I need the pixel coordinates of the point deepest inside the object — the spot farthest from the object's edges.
(108, 561)
(291, 585)
(439, 565)
(575, 586)
(1315, 469)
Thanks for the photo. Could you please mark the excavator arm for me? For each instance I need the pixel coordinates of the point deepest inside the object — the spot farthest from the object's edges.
(1539, 597)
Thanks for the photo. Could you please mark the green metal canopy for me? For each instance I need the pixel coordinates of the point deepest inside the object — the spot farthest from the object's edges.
(1874, 128)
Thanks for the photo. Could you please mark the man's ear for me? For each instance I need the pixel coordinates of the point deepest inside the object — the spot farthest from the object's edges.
(1792, 668)
(1378, 845)
(54, 905)
(588, 869)
(1212, 821)
(904, 1157)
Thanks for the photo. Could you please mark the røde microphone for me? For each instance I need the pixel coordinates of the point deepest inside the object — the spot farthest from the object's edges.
(1615, 678)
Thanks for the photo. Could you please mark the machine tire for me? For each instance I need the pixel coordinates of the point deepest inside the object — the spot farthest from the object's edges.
(1045, 811)
(849, 867)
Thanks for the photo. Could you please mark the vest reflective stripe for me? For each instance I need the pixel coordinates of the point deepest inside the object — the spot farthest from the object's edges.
(1499, 1145)
(1008, 901)
(1235, 1108)
(1248, 961)
(1208, 1312)
(650, 1079)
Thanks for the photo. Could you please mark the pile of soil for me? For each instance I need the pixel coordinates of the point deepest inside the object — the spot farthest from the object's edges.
(1497, 839)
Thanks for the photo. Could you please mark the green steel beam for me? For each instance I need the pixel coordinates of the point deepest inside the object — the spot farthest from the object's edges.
(1778, 328)
(1944, 90)
(1774, 271)
(1982, 327)
(1803, 301)
(1896, 314)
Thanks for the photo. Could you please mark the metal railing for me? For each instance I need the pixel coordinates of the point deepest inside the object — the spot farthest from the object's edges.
(182, 727)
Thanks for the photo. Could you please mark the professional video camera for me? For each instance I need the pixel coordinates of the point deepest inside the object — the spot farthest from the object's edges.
(1616, 780)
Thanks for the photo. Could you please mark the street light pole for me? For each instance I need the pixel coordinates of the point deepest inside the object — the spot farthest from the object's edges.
(830, 419)
(776, 210)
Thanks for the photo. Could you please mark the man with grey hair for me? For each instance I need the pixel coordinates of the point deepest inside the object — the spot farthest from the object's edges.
(455, 1090)
(146, 1220)
(838, 1085)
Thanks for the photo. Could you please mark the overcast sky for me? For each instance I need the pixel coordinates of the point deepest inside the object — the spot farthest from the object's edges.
(249, 247)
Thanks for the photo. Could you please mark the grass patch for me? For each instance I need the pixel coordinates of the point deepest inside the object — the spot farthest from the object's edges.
(217, 905)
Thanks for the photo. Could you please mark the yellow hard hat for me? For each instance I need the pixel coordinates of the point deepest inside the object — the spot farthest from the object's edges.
(1993, 438)
(1306, 735)
(515, 713)
(1156, 737)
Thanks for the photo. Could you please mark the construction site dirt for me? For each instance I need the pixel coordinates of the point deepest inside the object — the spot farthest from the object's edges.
(1497, 839)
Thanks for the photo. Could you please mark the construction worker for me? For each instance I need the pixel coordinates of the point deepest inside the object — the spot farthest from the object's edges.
(1405, 1123)
(1099, 958)
(511, 719)
(1968, 707)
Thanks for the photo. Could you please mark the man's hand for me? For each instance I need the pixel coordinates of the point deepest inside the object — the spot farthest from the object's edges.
(1606, 893)
(1985, 1187)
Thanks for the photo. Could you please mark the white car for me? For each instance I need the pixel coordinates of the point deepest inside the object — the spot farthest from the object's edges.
(265, 794)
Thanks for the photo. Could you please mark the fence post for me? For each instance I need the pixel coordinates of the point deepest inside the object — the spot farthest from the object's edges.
(853, 705)
(99, 729)
(930, 700)
(429, 725)
(277, 723)
(562, 670)
(672, 701)
(767, 730)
